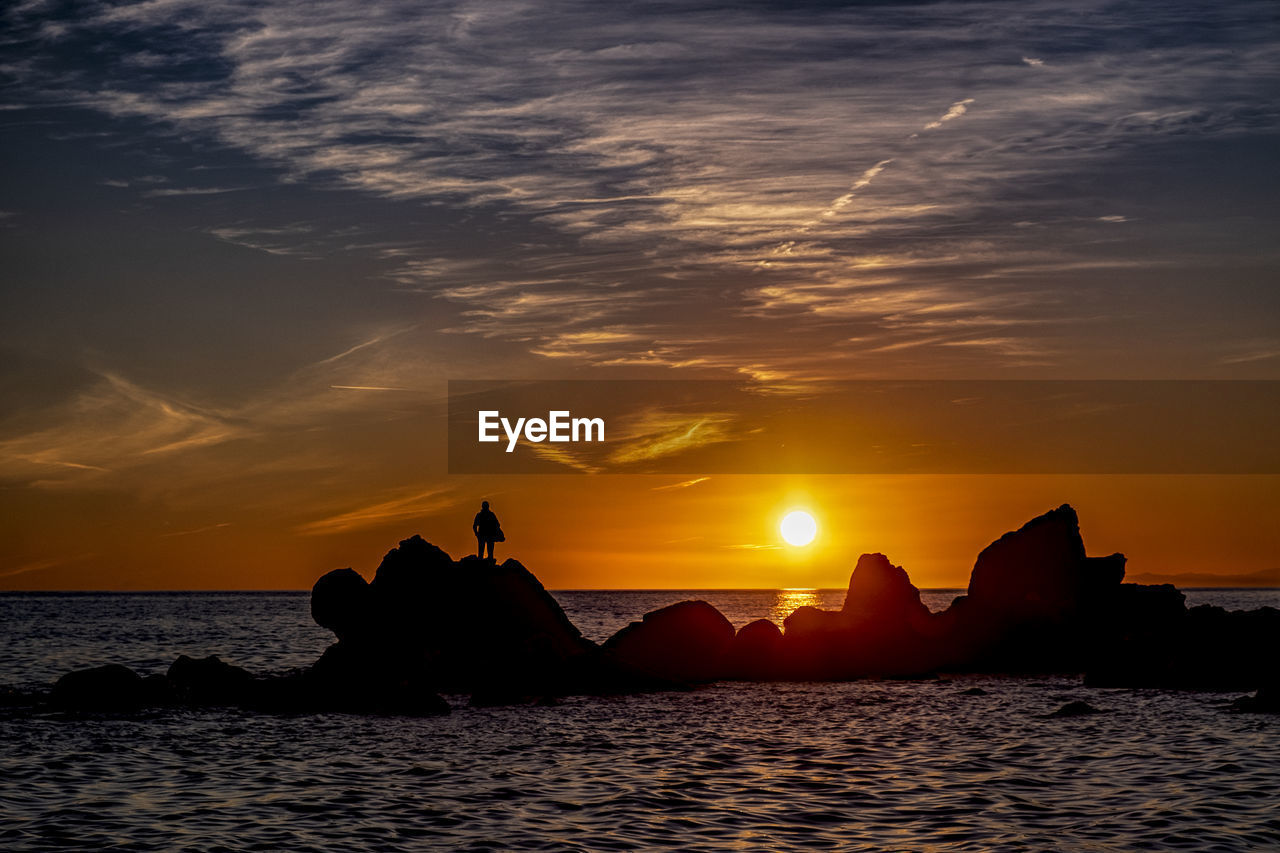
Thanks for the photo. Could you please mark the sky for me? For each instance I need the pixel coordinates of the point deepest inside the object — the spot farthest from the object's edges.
(246, 245)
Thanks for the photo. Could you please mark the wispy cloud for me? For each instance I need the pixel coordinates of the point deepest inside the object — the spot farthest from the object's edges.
(665, 179)
(683, 484)
(384, 512)
(956, 110)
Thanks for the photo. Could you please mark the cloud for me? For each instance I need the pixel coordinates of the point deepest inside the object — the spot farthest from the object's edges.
(635, 169)
(384, 512)
(956, 110)
(656, 433)
(683, 484)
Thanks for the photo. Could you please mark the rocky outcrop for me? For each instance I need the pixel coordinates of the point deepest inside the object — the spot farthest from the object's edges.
(681, 643)
(883, 629)
(428, 624)
(1036, 601)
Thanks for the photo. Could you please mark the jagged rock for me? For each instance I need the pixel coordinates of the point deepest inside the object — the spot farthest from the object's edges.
(1075, 709)
(1040, 571)
(883, 629)
(1035, 601)
(684, 642)
(209, 681)
(101, 688)
(882, 598)
(340, 601)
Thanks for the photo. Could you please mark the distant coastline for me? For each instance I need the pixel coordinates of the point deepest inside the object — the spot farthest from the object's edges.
(1265, 579)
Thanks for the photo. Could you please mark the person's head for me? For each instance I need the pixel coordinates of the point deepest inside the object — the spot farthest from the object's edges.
(484, 504)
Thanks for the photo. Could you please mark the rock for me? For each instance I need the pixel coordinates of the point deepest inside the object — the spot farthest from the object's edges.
(973, 691)
(1041, 572)
(808, 620)
(1265, 701)
(1036, 602)
(756, 651)
(209, 681)
(1207, 648)
(340, 601)
(103, 688)
(882, 598)
(883, 629)
(684, 642)
(353, 681)
(470, 626)
(1075, 709)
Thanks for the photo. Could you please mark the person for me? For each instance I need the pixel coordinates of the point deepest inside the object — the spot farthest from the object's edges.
(487, 530)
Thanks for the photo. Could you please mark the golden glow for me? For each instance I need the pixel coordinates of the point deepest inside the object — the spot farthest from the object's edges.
(790, 599)
(798, 528)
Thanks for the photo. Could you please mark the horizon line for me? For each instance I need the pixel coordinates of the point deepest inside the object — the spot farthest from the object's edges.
(291, 590)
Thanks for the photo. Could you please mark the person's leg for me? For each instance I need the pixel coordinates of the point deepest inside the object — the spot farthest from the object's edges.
(489, 542)
(480, 547)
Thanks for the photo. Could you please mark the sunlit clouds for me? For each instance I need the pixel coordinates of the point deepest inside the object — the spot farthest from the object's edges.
(664, 140)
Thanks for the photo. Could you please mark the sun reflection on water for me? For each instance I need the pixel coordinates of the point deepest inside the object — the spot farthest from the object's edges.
(789, 599)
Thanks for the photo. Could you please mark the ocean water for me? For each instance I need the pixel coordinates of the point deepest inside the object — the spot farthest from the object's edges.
(913, 765)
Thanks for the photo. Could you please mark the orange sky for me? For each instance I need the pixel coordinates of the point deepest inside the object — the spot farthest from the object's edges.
(640, 531)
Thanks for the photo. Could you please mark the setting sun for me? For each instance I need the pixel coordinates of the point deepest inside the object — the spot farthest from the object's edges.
(798, 528)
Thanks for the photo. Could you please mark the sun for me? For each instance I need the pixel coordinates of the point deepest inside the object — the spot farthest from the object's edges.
(798, 528)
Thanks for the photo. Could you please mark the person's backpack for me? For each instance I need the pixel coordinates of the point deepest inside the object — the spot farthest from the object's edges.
(499, 536)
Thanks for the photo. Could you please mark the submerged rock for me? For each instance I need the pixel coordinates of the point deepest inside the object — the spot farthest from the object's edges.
(1075, 709)
(1265, 701)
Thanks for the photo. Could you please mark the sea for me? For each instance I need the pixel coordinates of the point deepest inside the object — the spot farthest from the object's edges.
(929, 765)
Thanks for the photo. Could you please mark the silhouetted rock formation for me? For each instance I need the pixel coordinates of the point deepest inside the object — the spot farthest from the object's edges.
(683, 642)
(428, 624)
(1075, 709)
(883, 629)
(1034, 599)
(1204, 648)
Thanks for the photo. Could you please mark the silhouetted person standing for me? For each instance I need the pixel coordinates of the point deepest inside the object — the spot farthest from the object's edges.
(486, 529)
